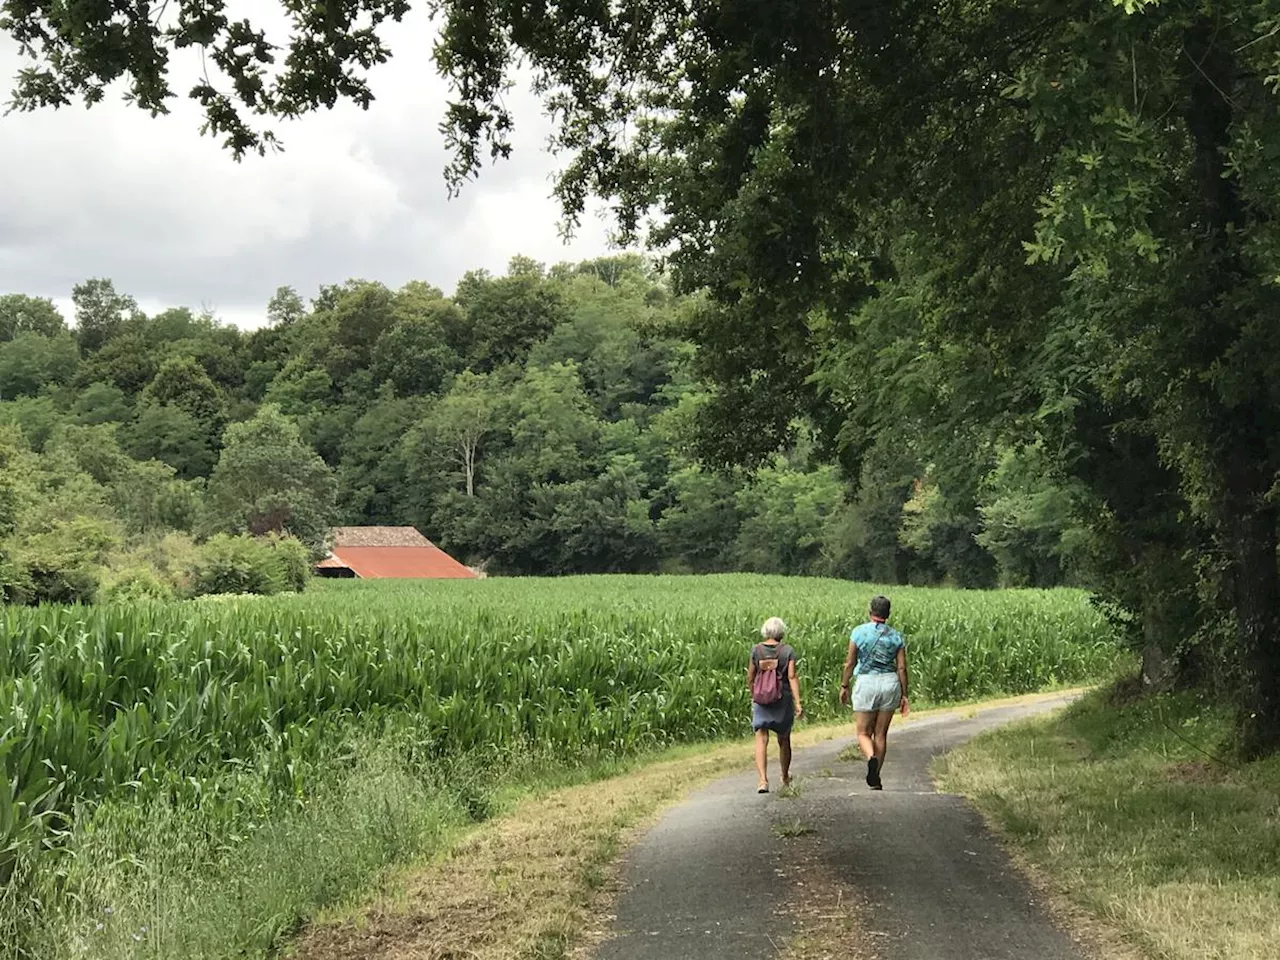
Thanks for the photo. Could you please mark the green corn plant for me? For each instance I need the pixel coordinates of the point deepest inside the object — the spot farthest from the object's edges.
(173, 699)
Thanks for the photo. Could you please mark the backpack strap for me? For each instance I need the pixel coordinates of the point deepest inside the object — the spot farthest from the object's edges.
(874, 647)
(762, 651)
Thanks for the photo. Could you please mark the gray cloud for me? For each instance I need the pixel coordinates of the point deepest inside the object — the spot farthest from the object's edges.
(172, 219)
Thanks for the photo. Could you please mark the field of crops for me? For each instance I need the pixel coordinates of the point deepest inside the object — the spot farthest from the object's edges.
(185, 704)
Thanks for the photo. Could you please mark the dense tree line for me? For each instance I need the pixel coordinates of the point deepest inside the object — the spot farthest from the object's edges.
(540, 422)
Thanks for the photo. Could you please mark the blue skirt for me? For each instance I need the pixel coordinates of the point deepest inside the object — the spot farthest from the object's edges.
(777, 717)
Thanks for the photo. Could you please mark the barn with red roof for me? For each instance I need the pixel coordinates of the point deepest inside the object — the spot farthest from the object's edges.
(373, 553)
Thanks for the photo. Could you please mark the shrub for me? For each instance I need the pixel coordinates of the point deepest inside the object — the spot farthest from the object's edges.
(227, 564)
(15, 582)
(294, 562)
(64, 563)
(140, 581)
(246, 564)
(53, 580)
(172, 558)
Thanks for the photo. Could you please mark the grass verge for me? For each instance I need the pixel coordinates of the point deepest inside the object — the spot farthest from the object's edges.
(533, 884)
(165, 880)
(1122, 810)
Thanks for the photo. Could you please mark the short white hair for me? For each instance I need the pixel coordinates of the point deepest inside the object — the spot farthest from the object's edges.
(773, 629)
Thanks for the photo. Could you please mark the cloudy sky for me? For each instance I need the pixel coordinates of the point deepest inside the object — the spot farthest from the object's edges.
(173, 220)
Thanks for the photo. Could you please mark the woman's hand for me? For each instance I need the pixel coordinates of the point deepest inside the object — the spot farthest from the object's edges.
(844, 695)
(906, 707)
(799, 711)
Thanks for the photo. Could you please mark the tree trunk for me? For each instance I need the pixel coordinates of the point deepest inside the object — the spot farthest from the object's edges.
(1252, 541)
(1246, 519)
(1209, 118)
(469, 465)
(1165, 585)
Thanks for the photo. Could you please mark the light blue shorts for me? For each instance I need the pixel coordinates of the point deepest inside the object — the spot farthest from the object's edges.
(874, 692)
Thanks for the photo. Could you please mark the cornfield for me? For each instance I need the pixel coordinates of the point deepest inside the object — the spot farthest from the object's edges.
(164, 699)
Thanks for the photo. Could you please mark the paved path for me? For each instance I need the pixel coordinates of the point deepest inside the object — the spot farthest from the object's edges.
(934, 883)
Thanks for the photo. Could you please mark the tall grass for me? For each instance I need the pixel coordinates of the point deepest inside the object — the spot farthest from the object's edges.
(246, 710)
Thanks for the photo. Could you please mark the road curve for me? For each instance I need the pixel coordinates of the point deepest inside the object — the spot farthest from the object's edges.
(712, 880)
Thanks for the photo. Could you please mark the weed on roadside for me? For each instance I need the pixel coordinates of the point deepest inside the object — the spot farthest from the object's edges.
(851, 754)
(550, 944)
(792, 828)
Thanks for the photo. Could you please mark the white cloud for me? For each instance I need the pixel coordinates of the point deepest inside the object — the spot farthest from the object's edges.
(172, 219)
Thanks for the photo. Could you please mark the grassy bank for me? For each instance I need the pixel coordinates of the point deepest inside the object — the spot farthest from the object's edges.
(522, 843)
(234, 871)
(1122, 810)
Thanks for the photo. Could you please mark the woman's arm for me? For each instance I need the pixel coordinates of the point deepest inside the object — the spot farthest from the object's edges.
(751, 672)
(849, 662)
(902, 677)
(795, 686)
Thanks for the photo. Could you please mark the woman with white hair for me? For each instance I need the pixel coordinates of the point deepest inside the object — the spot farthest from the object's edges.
(775, 698)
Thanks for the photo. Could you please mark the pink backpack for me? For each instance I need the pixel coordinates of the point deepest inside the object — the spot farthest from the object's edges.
(766, 688)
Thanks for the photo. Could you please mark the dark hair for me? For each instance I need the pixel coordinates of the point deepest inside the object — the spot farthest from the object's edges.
(880, 607)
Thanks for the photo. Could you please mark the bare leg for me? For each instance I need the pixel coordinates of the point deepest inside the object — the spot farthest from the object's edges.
(784, 756)
(881, 735)
(866, 721)
(762, 756)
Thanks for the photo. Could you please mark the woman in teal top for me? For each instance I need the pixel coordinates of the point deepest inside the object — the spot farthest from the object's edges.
(878, 657)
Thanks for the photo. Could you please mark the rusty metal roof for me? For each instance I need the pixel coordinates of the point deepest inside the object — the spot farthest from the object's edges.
(418, 563)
